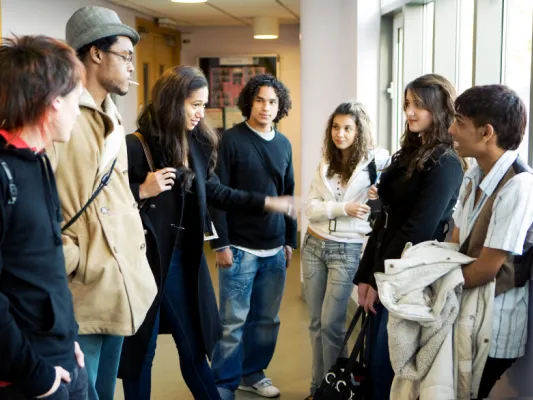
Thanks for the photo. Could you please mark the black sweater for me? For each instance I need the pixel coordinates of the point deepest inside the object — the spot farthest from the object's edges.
(240, 167)
(37, 325)
(419, 209)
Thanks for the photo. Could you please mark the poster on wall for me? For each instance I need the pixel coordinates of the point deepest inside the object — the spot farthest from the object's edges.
(227, 76)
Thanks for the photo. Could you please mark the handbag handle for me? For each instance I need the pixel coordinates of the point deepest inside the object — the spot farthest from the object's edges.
(358, 313)
(359, 346)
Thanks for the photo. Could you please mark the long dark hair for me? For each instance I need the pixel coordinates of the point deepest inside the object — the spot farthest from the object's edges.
(360, 147)
(435, 94)
(163, 120)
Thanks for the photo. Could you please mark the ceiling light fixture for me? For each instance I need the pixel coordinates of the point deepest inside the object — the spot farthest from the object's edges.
(188, 1)
(266, 28)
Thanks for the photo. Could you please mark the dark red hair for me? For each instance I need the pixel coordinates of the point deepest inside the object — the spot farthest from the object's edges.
(34, 70)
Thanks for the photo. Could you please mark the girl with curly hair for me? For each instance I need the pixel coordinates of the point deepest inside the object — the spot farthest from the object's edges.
(338, 224)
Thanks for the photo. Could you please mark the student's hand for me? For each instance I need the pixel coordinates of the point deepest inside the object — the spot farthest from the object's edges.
(356, 210)
(80, 357)
(371, 299)
(373, 193)
(157, 182)
(224, 258)
(282, 204)
(61, 375)
(362, 290)
(288, 255)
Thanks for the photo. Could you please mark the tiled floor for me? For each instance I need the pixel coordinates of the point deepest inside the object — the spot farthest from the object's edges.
(290, 369)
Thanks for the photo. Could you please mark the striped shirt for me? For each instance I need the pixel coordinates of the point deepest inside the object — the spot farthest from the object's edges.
(509, 229)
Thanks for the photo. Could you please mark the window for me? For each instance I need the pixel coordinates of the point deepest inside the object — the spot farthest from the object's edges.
(516, 54)
(397, 82)
(464, 60)
(428, 38)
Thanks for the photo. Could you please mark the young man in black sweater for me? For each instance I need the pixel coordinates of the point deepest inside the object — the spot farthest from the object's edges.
(40, 85)
(253, 252)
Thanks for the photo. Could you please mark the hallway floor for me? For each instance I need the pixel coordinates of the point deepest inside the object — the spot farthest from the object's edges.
(290, 369)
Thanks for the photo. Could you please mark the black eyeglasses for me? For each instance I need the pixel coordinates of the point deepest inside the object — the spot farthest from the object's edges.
(127, 59)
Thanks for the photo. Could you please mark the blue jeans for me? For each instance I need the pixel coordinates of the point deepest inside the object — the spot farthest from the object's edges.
(380, 365)
(328, 270)
(76, 389)
(102, 356)
(250, 298)
(176, 304)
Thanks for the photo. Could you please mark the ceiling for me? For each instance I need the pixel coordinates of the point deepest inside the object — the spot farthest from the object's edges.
(217, 12)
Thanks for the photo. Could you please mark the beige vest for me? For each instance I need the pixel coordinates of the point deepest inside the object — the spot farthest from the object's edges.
(512, 273)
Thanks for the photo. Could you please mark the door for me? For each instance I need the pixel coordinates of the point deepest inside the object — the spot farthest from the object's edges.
(158, 50)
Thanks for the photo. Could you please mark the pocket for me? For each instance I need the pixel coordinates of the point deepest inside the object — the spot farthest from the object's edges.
(88, 257)
(310, 260)
(236, 265)
(351, 257)
(78, 275)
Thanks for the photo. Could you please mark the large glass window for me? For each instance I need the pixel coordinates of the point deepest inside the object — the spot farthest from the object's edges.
(516, 54)
(428, 38)
(397, 82)
(465, 45)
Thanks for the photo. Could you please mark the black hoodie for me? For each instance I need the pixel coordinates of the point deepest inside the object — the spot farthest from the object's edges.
(37, 325)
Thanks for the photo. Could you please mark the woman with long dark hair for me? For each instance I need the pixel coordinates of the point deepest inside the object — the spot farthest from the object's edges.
(173, 200)
(418, 192)
(338, 225)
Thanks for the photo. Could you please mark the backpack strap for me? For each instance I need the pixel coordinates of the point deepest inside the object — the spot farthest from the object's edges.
(11, 198)
(13, 193)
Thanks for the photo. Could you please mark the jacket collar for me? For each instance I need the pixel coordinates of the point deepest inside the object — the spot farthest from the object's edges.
(110, 109)
(324, 165)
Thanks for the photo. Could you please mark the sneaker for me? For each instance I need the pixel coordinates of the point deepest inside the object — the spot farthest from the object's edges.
(263, 388)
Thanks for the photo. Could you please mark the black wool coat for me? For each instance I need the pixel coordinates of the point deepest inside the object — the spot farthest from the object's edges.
(164, 211)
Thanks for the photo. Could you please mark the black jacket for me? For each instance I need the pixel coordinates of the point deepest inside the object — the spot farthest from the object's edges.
(37, 325)
(414, 210)
(160, 237)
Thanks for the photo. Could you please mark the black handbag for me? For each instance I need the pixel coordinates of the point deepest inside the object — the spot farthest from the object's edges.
(349, 378)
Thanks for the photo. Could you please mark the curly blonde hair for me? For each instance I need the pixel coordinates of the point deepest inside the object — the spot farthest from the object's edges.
(360, 147)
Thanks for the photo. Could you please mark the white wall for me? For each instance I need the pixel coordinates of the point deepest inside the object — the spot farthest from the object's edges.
(49, 17)
(238, 41)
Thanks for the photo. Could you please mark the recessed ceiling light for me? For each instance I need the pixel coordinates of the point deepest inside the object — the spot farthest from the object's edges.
(188, 1)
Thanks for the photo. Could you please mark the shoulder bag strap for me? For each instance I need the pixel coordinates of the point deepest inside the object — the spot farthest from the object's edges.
(146, 150)
(149, 159)
(103, 183)
(269, 171)
(372, 171)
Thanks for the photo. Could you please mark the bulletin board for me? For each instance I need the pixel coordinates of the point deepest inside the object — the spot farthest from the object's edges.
(227, 76)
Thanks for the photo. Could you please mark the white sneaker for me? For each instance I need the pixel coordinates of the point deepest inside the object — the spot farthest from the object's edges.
(263, 388)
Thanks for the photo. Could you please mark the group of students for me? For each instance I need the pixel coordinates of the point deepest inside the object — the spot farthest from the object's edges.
(424, 189)
(102, 233)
